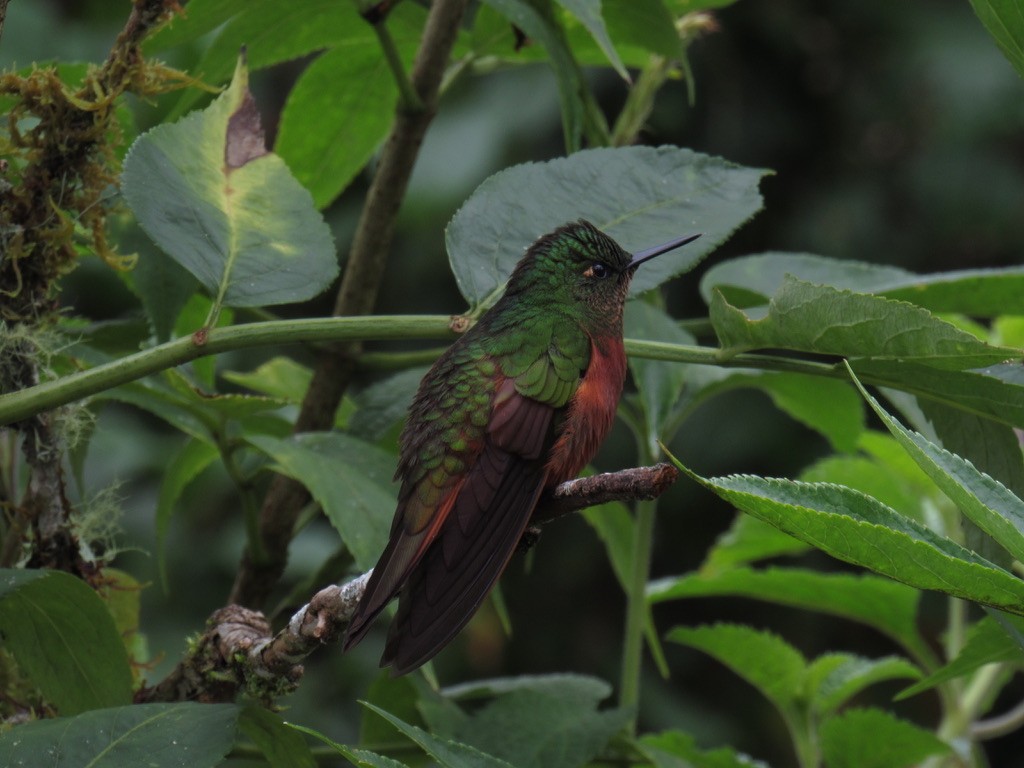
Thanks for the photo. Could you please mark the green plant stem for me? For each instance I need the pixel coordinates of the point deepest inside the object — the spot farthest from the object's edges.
(805, 742)
(640, 101)
(410, 100)
(636, 606)
(27, 402)
(979, 690)
(636, 594)
(19, 405)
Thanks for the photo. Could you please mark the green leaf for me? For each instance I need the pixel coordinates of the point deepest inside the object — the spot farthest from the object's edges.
(209, 194)
(449, 754)
(383, 405)
(987, 643)
(589, 14)
(763, 659)
(349, 94)
(871, 738)
(122, 594)
(360, 757)
(1005, 22)
(64, 640)
(185, 466)
(828, 406)
(835, 678)
(991, 447)
(282, 746)
(641, 196)
(814, 318)
(614, 526)
(541, 722)
(674, 749)
(163, 287)
(184, 735)
(536, 19)
(659, 383)
(395, 695)
(203, 16)
(746, 541)
(880, 477)
(752, 280)
(271, 34)
(280, 377)
(858, 529)
(887, 606)
(349, 478)
(984, 391)
(645, 23)
(990, 504)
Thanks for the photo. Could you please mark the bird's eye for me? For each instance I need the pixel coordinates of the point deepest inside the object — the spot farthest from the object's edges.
(598, 270)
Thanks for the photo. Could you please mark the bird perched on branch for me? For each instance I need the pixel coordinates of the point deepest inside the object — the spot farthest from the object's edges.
(517, 405)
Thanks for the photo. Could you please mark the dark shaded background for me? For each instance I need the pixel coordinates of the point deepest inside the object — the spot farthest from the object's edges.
(896, 133)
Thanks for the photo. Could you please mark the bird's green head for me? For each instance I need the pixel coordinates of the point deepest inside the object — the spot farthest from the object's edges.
(579, 265)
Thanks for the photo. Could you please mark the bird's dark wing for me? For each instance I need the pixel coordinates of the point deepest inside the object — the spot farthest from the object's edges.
(490, 511)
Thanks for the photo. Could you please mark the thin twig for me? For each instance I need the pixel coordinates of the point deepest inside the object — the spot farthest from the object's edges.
(1000, 725)
(237, 651)
(357, 294)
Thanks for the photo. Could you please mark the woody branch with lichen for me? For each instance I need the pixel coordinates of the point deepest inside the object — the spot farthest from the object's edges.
(61, 148)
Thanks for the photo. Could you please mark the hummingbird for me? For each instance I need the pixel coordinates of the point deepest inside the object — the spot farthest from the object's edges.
(518, 404)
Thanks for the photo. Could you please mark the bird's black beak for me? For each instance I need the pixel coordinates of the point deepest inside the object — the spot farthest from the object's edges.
(649, 253)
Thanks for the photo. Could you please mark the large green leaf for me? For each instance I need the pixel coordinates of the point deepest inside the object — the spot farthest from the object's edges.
(349, 95)
(763, 659)
(349, 478)
(203, 16)
(861, 530)
(835, 678)
(537, 20)
(658, 382)
(987, 643)
(282, 746)
(1005, 22)
(987, 392)
(448, 753)
(987, 502)
(589, 14)
(674, 749)
(880, 603)
(360, 757)
(751, 280)
(184, 735)
(749, 540)
(541, 722)
(64, 640)
(383, 405)
(273, 33)
(885, 473)
(992, 447)
(815, 318)
(279, 377)
(830, 407)
(206, 190)
(644, 23)
(184, 467)
(871, 738)
(641, 196)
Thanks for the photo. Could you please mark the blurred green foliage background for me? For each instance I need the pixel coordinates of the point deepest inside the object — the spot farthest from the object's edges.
(896, 133)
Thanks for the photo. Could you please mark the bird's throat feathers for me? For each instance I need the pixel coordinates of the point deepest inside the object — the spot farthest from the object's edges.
(592, 410)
